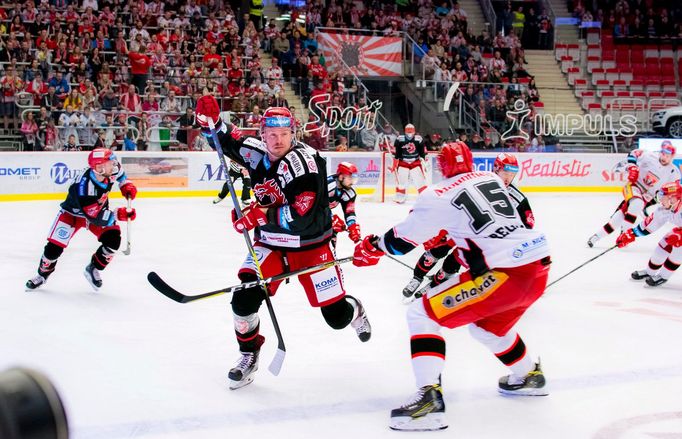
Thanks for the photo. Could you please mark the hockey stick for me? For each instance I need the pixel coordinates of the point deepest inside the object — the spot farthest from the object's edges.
(276, 364)
(128, 210)
(390, 256)
(173, 294)
(581, 265)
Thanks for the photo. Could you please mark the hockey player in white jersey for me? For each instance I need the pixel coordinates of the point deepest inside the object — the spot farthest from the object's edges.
(647, 172)
(667, 255)
(508, 268)
(409, 156)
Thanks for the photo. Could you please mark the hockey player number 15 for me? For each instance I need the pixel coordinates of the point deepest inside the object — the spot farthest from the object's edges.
(496, 198)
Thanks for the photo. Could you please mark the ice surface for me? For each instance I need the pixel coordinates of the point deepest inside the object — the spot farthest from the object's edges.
(131, 363)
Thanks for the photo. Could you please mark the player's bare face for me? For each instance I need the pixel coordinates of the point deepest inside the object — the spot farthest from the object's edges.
(347, 181)
(665, 159)
(105, 170)
(277, 141)
(506, 176)
(669, 202)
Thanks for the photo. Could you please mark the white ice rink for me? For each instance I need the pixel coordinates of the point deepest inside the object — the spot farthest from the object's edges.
(130, 363)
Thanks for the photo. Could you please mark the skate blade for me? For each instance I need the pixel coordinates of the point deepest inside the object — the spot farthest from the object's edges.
(525, 392)
(87, 277)
(430, 422)
(408, 300)
(234, 385)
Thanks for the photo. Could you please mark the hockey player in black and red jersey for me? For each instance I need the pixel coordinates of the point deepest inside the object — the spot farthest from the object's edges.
(508, 266)
(341, 192)
(647, 172)
(293, 227)
(87, 205)
(667, 255)
(410, 154)
(506, 166)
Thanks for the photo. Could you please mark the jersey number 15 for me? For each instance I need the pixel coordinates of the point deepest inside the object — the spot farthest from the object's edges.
(480, 217)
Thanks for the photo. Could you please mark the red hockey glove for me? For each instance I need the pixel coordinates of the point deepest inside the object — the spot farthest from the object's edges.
(338, 225)
(366, 253)
(122, 214)
(128, 190)
(674, 238)
(354, 232)
(253, 217)
(625, 238)
(633, 174)
(207, 112)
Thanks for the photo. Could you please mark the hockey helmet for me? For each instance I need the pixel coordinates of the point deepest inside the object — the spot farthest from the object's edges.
(455, 158)
(99, 156)
(671, 194)
(506, 162)
(668, 148)
(410, 131)
(277, 117)
(347, 169)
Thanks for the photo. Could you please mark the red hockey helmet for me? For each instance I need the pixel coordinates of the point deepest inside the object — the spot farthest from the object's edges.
(99, 156)
(277, 117)
(668, 148)
(410, 131)
(670, 192)
(455, 158)
(347, 168)
(506, 162)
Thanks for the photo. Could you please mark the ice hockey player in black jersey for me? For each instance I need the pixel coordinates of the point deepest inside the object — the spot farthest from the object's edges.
(292, 226)
(341, 193)
(87, 205)
(410, 153)
(506, 166)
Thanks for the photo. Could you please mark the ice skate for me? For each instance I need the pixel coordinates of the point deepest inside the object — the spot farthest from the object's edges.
(655, 280)
(217, 200)
(425, 411)
(35, 282)
(93, 277)
(243, 373)
(412, 286)
(592, 241)
(639, 275)
(532, 384)
(361, 323)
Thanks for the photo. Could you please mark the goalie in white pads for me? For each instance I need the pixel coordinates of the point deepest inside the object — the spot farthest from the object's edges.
(667, 255)
(409, 155)
(508, 269)
(647, 172)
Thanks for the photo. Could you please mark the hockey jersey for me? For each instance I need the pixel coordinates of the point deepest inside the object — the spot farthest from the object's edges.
(656, 220)
(89, 198)
(409, 150)
(479, 215)
(294, 188)
(343, 196)
(652, 174)
(521, 205)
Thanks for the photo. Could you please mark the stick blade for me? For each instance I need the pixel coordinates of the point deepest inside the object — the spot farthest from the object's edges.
(276, 365)
(127, 251)
(165, 289)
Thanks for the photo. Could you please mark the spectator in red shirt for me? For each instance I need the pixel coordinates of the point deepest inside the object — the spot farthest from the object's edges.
(318, 71)
(212, 60)
(139, 68)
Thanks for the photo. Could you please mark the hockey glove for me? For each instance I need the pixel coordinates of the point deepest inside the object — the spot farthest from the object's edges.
(354, 232)
(633, 174)
(122, 214)
(674, 238)
(625, 238)
(337, 224)
(128, 190)
(253, 217)
(366, 253)
(207, 113)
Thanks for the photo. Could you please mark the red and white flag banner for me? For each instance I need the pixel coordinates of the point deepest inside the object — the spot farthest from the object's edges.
(365, 55)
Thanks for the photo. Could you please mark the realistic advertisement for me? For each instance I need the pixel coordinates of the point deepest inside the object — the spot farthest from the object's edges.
(26, 176)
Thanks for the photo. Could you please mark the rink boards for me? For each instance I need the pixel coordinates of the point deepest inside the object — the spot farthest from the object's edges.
(47, 175)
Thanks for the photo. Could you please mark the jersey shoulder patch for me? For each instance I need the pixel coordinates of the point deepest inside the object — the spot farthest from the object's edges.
(418, 138)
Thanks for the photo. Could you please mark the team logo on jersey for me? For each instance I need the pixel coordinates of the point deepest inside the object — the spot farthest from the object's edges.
(651, 179)
(271, 190)
(304, 202)
(411, 148)
(284, 173)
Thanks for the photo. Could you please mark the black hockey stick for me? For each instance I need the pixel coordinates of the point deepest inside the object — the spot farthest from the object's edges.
(582, 265)
(276, 364)
(173, 294)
